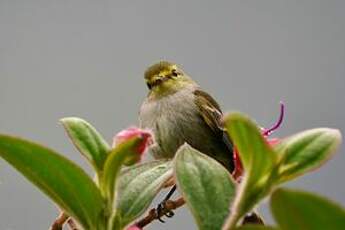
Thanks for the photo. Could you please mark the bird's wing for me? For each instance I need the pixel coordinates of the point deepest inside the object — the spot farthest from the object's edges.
(212, 115)
(209, 110)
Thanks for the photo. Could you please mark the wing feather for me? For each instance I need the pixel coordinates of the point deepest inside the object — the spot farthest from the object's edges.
(212, 115)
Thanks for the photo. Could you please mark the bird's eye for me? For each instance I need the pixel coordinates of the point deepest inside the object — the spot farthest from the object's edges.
(174, 73)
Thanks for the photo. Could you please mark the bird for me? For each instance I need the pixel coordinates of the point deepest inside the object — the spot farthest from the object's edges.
(179, 111)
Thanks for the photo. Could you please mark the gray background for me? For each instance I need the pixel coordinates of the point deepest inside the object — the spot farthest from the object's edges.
(87, 58)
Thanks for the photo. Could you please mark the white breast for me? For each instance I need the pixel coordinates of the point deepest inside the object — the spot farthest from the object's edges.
(172, 119)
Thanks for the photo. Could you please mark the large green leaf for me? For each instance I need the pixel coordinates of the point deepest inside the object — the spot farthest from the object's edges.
(256, 155)
(138, 185)
(206, 186)
(306, 151)
(306, 211)
(63, 181)
(87, 140)
(258, 161)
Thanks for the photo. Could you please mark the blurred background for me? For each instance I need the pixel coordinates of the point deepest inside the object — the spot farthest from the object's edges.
(86, 58)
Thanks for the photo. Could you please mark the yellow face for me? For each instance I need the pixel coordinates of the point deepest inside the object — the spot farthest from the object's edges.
(162, 74)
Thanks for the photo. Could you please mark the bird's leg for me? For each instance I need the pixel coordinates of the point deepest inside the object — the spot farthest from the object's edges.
(161, 206)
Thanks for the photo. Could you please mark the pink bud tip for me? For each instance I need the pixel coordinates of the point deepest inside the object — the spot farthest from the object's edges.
(273, 141)
(133, 132)
(133, 227)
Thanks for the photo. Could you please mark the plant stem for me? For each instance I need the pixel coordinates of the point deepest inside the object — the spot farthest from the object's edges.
(61, 220)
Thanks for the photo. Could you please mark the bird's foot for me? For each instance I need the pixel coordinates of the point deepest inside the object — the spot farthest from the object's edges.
(161, 211)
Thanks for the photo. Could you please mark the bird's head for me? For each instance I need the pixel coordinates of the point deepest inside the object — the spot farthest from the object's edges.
(165, 77)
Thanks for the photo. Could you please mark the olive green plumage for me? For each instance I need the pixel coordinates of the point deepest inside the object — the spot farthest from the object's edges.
(179, 111)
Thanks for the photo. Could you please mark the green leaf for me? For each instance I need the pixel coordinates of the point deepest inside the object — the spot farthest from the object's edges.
(256, 155)
(305, 211)
(306, 151)
(112, 166)
(87, 140)
(138, 185)
(258, 161)
(63, 181)
(206, 186)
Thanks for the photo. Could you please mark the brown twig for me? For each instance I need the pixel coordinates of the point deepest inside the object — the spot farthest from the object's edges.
(152, 214)
(59, 222)
(72, 225)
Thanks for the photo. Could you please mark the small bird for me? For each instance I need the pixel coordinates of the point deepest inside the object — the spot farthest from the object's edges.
(178, 111)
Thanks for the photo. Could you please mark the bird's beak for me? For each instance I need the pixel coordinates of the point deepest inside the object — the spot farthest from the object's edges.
(154, 81)
(149, 85)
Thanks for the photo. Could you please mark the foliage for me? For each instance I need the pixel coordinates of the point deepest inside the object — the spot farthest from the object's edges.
(123, 188)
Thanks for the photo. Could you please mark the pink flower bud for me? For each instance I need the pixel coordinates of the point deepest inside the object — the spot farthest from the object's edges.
(133, 227)
(273, 141)
(238, 171)
(145, 135)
